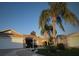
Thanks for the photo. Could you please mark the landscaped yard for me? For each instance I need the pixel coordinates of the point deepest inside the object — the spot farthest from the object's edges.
(66, 52)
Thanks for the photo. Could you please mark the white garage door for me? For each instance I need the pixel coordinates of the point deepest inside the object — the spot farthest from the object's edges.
(6, 43)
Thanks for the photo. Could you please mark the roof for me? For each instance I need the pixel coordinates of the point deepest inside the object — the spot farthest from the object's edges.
(10, 32)
(74, 34)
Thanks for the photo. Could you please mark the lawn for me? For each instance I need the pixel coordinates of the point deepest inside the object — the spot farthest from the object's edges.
(55, 52)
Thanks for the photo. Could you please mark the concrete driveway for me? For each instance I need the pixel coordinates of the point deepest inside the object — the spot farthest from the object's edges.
(18, 52)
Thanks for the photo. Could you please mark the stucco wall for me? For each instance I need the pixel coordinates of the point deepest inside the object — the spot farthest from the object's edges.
(73, 42)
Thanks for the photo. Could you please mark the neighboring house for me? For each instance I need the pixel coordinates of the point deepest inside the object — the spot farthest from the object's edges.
(71, 40)
(62, 39)
(10, 39)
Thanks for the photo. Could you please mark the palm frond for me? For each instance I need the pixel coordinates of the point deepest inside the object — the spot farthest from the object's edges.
(44, 18)
(56, 8)
(61, 26)
(59, 22)
(42, 32)
(70, 17)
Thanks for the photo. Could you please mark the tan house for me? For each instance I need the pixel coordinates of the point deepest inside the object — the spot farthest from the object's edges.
(71, 40)
(11, 39)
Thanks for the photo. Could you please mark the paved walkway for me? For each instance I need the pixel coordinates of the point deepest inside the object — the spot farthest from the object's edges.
(23, 52)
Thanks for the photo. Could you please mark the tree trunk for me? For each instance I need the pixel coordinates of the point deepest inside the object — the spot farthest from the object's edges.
(46, 36)
(54, 29)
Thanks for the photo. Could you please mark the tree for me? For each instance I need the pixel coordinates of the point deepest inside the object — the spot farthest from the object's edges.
(47, 32)
(58, 11)
(33, 33)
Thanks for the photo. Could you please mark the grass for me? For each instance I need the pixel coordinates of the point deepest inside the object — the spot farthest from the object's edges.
(54, 52)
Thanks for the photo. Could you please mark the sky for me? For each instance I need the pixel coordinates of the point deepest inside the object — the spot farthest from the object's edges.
(24, 17)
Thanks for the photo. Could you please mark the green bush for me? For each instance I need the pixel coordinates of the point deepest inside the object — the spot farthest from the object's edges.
(50, 48)
(66, 52)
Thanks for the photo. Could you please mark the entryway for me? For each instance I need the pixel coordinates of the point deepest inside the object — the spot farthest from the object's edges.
(30, 43)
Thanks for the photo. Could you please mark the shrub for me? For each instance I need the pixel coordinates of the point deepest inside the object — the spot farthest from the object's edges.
(51, 48)
(61, 46)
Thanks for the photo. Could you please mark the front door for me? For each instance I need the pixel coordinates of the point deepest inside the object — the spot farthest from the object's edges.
(28, 42)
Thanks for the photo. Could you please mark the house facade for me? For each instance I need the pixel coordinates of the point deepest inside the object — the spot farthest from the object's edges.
(71, 40)
(10, 39)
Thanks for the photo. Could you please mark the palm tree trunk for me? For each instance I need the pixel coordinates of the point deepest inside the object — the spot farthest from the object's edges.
(46, 36)
(54, 29)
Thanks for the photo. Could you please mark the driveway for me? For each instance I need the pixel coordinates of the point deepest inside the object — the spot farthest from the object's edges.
(18, 52)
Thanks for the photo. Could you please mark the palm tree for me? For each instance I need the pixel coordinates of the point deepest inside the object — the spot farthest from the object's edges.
(58, 11)
(47, 32)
